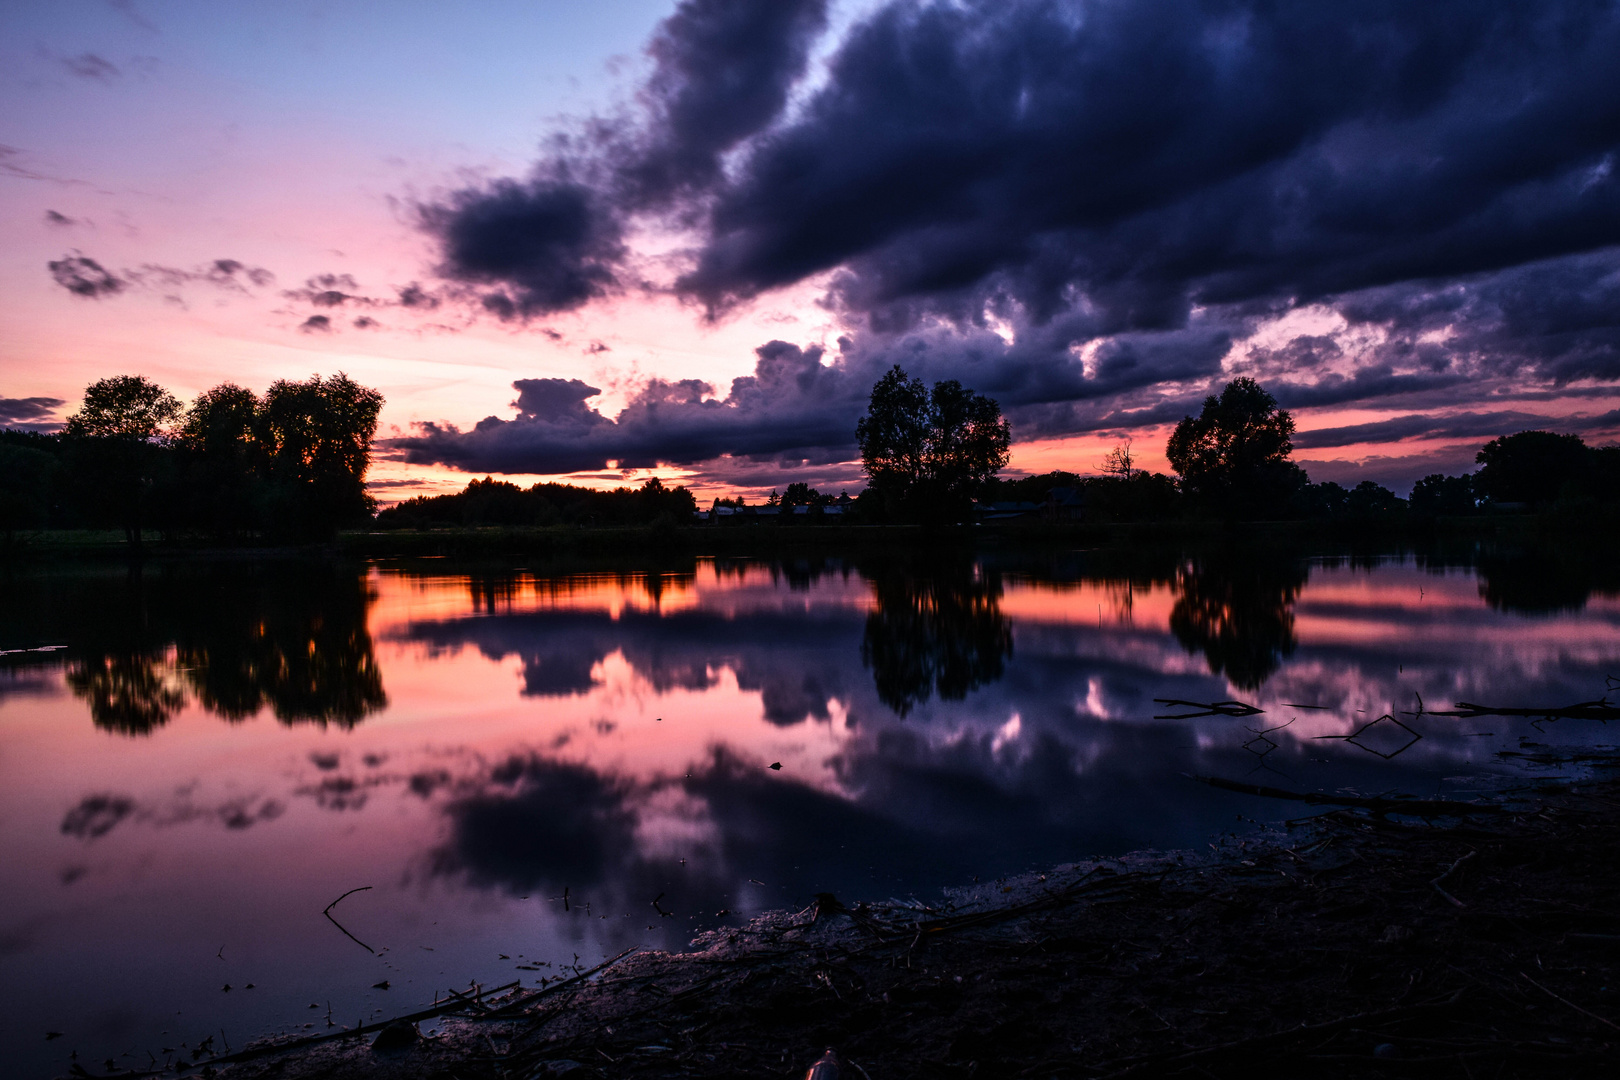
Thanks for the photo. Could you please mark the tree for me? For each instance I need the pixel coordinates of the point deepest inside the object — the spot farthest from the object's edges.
(124, 407)
(1530, 467)
(1438, 494)
(1234, 455)
(927, 454)
(1370, 499)
(1120, 461)
(118, 442)
(316, 438)
(26, 477)
(220, 459)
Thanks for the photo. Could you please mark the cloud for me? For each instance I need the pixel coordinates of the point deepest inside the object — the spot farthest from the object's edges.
(1466, 425)
(52, 217)
(83, 276)
(330, 290)
(1101, 209)
(229, 274)
(30, 413)
(722, 71)
(90, 66)
(792, 405)
(316, 324)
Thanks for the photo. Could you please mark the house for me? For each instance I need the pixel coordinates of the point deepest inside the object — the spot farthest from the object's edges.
(1064, 504)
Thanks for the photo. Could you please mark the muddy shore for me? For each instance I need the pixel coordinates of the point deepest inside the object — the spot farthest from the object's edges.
(1350, 942)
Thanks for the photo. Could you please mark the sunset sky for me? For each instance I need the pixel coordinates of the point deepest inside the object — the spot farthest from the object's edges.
(608, 239)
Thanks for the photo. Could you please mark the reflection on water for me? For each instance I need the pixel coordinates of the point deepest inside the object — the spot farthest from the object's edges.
(605, 733)
(290, 639)
(933, 629)
(1238, 610)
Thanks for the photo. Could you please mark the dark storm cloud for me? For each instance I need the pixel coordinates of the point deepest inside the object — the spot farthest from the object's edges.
(1453, 426)
(791, 406)
(1118, 191)
(28, 412)
(1154, 156)
(722, 70)
(549, 244)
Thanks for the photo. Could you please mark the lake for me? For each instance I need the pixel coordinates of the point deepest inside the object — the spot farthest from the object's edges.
(524, 768)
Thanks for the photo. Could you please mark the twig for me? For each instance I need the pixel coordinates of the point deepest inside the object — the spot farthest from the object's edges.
(514, 1006)
(327, 911)
(1571, 1004)
(1449, 871)
(1214, 708)
(363, 1029)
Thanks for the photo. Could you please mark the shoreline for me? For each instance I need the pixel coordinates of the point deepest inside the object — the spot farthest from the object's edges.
(773, 540)
(1350, 943)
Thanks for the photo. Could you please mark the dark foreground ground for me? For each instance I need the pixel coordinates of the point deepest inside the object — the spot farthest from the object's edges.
(1355, 944)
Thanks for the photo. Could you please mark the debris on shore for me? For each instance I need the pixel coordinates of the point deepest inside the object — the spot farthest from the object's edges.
(1364, 941)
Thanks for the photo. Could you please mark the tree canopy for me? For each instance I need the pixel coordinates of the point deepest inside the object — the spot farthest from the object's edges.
(1233, 456)
(926, 454)
(1530, 467)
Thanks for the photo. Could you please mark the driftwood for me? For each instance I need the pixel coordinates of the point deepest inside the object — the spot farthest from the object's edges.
(1582, 710)
(1214, 708)
(457, 1003)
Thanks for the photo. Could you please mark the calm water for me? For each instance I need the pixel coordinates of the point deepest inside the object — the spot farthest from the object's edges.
(205, 757)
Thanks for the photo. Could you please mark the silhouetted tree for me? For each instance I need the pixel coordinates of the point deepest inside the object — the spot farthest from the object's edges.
(1369, 499)
(927, 454)
(27, 476)
(117, 442)
(221, 461)
(499, 502)
(316, 439)
(1438, 494)
(1530, 467)
(1233, 457)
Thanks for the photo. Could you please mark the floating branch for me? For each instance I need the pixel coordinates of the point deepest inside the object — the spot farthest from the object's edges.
(1581, 710)
(327, 911)
(1354, 738)
(1214, 708)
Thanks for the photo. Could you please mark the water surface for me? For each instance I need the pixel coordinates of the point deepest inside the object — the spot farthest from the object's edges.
(196, 760)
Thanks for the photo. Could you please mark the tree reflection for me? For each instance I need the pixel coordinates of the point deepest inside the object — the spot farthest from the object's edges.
(932, 630)
(1239, 612)
(128, 693)
(292, 639)
(1547, 580)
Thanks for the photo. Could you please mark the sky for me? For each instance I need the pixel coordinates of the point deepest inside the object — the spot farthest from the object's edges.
(607, 240)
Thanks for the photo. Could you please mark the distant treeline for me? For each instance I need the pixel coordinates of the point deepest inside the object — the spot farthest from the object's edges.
(290, 465)
(497, 502)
